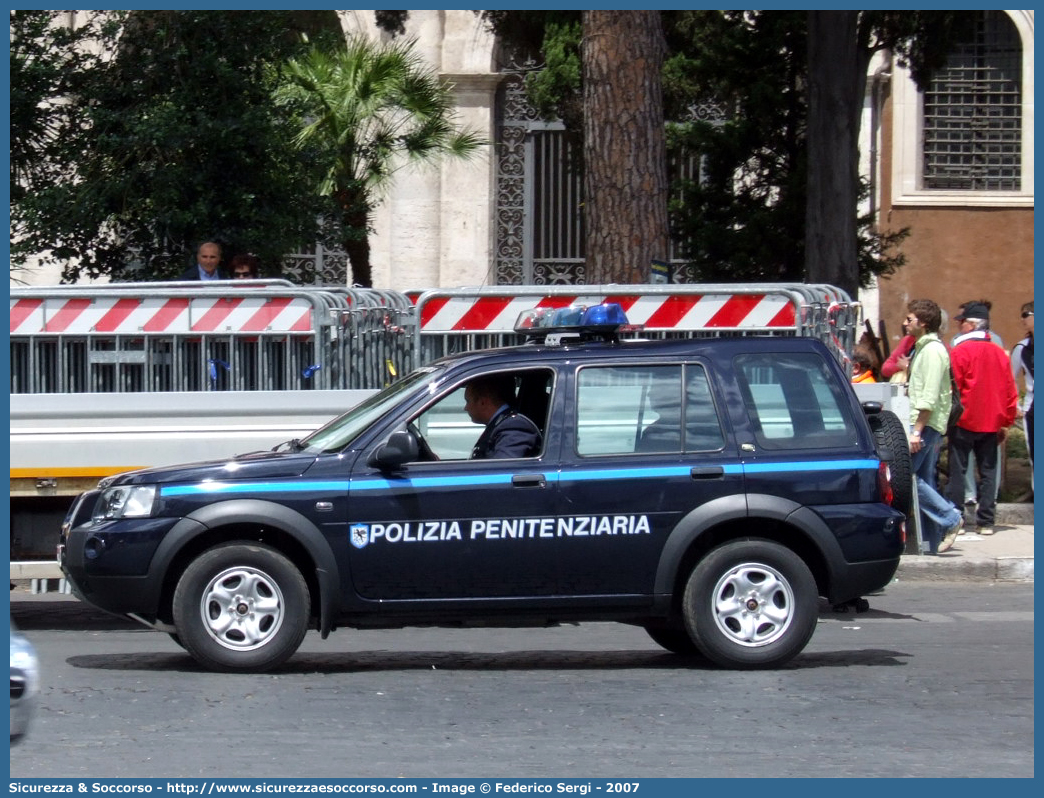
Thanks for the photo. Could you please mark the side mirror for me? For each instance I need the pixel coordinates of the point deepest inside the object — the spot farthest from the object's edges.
(399, 449)
(872, 408)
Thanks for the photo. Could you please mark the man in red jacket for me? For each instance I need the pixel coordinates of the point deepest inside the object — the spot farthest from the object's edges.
(983, 376)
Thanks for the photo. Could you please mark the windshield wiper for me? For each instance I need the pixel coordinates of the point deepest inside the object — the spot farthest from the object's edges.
(292, 445)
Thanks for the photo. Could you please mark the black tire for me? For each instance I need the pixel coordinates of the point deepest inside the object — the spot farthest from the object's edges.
(674, 639)
(241, 607)
(773, 623)
(894, 448)
(176, 639)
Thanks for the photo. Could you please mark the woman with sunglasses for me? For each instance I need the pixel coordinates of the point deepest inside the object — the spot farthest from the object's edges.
(245, 267)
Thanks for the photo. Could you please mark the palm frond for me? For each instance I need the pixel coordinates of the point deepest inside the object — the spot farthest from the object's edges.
(374, 107)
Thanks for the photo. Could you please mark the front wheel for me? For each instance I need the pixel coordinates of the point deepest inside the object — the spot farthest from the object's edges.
(241, 607)
(751, 604)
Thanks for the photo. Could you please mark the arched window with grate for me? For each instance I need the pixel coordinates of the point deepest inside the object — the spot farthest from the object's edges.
(972, 117)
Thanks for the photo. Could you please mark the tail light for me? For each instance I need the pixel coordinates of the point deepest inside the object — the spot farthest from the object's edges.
(884, 482)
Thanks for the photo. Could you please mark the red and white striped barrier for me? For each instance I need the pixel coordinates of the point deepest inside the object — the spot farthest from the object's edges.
(173, 315)
(746, 311)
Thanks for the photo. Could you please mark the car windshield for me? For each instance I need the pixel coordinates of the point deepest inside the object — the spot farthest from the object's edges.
(344, 429)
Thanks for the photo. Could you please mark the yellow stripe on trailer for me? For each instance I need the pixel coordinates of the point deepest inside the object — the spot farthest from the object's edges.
(72, 472)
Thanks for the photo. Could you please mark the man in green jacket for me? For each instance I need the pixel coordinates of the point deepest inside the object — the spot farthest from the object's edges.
(929, 392)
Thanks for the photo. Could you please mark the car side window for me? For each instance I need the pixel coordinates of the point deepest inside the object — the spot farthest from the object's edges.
(447, 432)
(446, 428)
(793, 402)
(627, 410)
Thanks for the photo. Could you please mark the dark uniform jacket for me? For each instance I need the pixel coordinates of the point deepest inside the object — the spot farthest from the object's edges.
(192, 273)
(508, 434)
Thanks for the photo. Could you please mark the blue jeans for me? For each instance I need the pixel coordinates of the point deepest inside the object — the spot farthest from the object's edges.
(938, 514)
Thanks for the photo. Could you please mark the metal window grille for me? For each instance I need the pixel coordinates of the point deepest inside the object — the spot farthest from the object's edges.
(539, 194)
(557, 218)
(973, 112)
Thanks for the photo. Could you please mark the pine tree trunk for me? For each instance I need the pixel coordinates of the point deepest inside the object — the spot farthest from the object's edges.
(836, 80)
(625, 161)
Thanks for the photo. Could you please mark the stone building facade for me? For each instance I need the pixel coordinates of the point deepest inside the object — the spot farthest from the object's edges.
(968, 205)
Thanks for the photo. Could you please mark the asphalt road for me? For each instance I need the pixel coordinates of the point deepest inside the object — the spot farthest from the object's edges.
(936, 680)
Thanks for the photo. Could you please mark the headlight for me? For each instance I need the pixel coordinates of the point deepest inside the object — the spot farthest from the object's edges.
(126, 501)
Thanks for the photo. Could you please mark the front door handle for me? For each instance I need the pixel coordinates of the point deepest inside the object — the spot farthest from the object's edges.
(528, 481)
(707, 472)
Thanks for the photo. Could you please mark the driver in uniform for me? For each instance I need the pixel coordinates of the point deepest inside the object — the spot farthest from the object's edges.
(490, 400)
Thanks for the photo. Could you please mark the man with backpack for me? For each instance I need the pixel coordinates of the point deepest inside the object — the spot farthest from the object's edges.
(982, 374)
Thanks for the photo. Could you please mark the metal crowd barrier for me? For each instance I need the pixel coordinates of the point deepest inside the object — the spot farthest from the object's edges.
(375, 338)
(270, 335)
(456, 320)
(257, 335)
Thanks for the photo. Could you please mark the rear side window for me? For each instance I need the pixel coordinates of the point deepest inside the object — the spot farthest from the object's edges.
(794, 401)
(628, 410)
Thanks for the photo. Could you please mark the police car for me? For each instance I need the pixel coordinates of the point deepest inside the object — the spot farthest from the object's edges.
(708, 490)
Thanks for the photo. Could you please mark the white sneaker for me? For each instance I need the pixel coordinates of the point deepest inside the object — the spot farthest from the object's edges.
(986, 530)
(951, 535)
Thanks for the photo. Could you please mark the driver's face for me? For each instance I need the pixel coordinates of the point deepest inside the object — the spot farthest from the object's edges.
(476, 406)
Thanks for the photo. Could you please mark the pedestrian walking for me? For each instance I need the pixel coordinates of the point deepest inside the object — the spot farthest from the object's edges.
(929, 394)
(982, 374)
(971, 488)
(1022, 365)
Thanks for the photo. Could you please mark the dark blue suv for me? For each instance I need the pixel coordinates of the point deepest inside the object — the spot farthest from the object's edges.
(710, 491)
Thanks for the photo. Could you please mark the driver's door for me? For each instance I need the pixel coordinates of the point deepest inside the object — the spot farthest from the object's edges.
(454, 528)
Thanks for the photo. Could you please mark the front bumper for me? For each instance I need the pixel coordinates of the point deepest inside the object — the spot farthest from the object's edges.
(113, 564)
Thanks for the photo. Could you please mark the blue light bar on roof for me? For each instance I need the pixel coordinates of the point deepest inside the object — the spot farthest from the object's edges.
(598, 319)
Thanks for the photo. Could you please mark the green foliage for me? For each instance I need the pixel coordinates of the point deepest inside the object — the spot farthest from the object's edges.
(734, 83)
(555, 90)
(739, 193)
(49, 60)
(880, 251)
(552, 39)
(920, 40)
(175, 141)
(368, 110)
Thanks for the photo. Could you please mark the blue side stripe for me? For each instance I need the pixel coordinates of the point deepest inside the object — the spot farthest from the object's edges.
(256, 487)
(825, 465)
(640, 473)
(438, 482)
(378, 484)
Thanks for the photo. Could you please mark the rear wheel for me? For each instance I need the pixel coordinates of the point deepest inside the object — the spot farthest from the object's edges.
(241, 607)
(890, 435)
(751, 604)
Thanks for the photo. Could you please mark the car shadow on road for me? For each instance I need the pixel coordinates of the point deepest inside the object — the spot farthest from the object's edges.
(557, 660)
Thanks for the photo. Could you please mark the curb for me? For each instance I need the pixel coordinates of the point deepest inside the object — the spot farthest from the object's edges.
(913, 568)
(1015, 513)
(1001, 568)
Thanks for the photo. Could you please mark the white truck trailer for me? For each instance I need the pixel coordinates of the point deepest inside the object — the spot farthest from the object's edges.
(62, 444)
